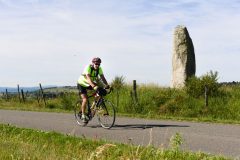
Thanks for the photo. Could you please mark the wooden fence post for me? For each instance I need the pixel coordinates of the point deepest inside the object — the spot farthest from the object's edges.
(206, 96)
(135, 90)
(23, 98)
(19, 96)
(43, 97)
(7, 97)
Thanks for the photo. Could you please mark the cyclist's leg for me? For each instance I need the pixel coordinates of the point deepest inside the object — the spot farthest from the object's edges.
(84, 103)
(83, 94)
(84, 117)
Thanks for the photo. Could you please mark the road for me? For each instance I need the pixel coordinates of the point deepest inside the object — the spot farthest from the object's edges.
(219, 139)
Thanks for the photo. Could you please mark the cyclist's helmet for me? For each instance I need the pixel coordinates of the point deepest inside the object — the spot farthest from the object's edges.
(96, 60)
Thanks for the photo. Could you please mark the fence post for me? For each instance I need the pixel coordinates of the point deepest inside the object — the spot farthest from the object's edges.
(7, 97)
(206, 96)
(43, 97)
(23, 98)
(19, 96)
(135, 90)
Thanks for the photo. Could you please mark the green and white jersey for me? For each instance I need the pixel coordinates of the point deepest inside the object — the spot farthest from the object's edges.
(93, 75)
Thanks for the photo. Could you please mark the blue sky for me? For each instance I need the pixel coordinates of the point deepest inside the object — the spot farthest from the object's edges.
(50, 41)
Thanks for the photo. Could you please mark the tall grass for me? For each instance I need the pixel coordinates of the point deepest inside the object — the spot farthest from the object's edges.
(16, 143)
(154, 102)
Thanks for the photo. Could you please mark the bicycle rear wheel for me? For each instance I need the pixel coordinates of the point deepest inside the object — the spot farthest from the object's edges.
(78, 113)
(106, 114)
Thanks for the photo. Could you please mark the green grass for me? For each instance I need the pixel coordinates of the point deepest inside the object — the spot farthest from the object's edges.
(166, 103)
(18, 143)
(31, 106)
(154, 102)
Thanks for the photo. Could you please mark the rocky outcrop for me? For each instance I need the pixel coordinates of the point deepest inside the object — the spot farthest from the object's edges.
(183, 60)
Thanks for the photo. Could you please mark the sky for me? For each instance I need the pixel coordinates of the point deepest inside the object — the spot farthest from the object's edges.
(51, 41)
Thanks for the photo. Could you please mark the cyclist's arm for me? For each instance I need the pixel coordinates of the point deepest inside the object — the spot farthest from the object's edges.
(104, 80)
(90, 81)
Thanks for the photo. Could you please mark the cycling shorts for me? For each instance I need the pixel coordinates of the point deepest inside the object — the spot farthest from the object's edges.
(83, 90)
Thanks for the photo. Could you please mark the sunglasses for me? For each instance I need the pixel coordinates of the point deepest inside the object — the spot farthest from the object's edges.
(97, 64)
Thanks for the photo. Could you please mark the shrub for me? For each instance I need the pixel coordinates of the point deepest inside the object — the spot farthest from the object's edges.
(118, 82)
(195, 86)
(68, 100)
(51, 105)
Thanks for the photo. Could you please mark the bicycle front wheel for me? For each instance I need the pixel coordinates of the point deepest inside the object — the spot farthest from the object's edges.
(106, 114)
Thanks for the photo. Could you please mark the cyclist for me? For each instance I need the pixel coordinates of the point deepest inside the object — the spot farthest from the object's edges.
(87, 81)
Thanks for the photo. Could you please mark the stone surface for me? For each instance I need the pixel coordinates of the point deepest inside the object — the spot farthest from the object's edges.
(183, 60)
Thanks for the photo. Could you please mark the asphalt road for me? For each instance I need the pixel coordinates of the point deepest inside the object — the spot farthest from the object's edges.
(219, 139)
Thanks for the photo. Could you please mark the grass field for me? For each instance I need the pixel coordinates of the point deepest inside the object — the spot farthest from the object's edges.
(18, 143)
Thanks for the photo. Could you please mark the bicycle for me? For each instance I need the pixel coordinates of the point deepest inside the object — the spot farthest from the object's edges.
(104, 109)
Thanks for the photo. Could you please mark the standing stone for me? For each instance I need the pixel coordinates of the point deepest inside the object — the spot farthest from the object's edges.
(183, 60)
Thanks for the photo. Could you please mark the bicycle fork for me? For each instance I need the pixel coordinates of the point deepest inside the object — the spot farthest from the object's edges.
(103, 108)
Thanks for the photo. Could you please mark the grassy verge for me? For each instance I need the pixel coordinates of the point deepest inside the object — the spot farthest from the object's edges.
(29, 106)
(18, 143)
(153, 102)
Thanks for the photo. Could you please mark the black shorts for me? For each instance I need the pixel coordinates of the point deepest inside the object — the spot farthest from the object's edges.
(83, 90)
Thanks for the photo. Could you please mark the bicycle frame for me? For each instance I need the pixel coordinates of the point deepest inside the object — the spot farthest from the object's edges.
(89, 105)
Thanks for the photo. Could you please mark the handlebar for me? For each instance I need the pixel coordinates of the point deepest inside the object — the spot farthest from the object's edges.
(106, 91)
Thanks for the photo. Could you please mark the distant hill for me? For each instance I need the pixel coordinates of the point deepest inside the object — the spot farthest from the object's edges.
(60, 89)
(25, 89)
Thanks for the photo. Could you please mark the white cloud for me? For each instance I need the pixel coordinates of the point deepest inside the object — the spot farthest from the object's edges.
(134, 38)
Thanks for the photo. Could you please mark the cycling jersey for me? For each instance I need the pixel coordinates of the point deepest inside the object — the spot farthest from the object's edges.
(93, 75)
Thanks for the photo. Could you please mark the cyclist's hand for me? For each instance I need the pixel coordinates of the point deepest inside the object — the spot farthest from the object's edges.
(107, 87)
(95, 88)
